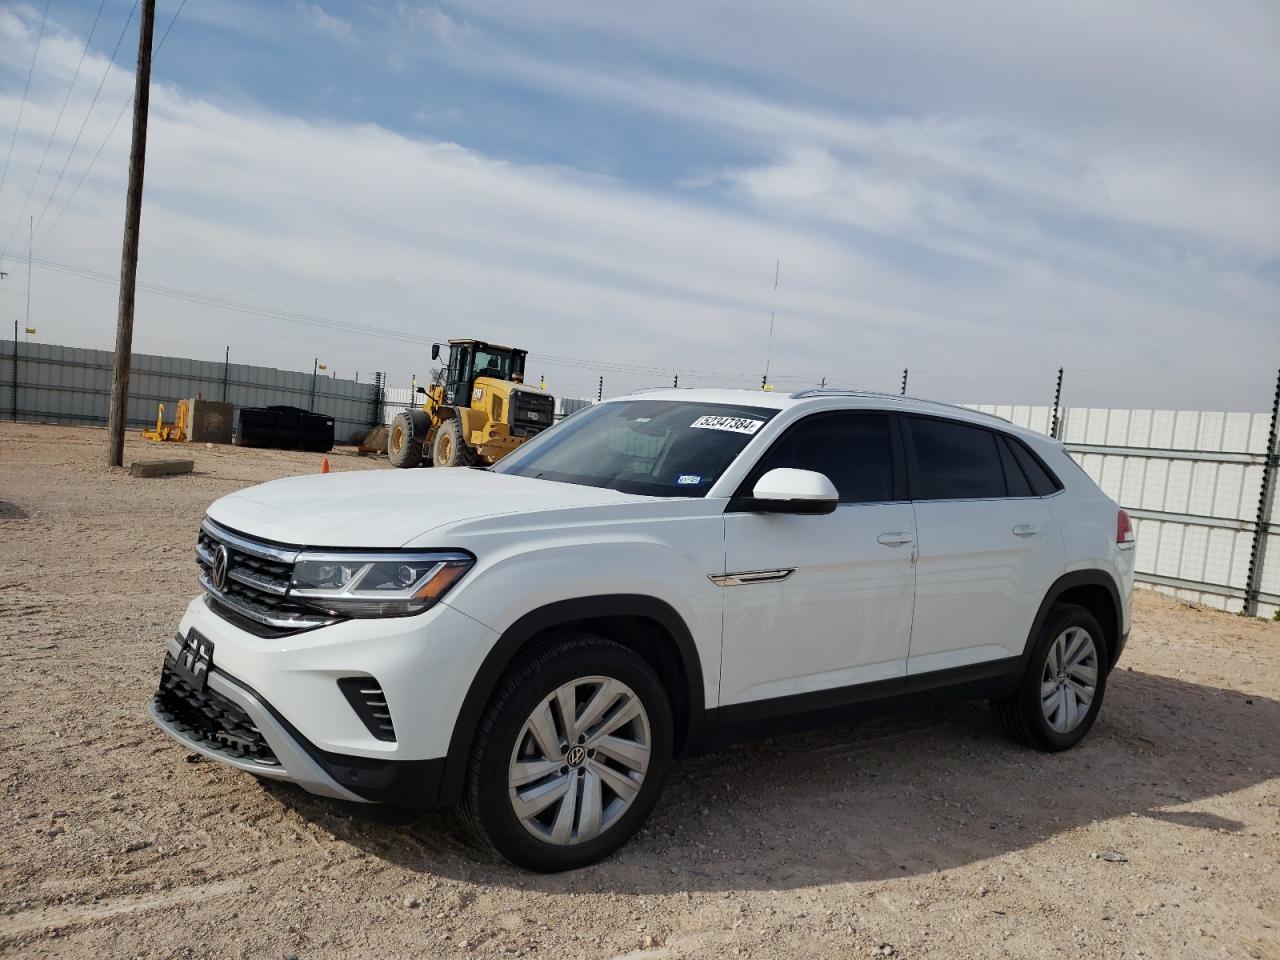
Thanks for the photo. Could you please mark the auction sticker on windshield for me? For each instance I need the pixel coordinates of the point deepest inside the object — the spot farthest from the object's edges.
(732, 424)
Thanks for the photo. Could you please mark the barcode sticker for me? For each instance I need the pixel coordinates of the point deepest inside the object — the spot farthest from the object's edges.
(732, 424)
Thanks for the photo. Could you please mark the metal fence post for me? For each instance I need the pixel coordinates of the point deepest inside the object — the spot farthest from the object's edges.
(1266, 500)
(1057, 404)
(377, 397)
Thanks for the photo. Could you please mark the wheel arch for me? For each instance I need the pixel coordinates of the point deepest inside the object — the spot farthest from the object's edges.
(1095, 591)
(647, 625)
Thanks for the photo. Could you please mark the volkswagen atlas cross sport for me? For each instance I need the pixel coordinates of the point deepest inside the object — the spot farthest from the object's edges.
(656, 576)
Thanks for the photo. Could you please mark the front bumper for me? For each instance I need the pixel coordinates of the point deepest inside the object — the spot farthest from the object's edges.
(218, 721)
(284, 695)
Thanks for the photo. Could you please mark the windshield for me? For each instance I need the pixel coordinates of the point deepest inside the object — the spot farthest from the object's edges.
(655, 447)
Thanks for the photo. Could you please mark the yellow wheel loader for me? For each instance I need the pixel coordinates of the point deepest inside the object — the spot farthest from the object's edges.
(481, 412)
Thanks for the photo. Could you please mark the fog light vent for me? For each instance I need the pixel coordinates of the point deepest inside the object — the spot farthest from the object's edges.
(370, 704)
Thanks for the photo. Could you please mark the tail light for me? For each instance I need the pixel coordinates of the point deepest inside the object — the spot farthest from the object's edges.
(1124, 528)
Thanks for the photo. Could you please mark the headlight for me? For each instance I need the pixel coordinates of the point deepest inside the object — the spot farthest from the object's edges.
(386, 584)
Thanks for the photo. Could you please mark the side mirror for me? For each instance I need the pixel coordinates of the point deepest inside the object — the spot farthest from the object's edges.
(787, 490)
(435, 351)
(422, 390)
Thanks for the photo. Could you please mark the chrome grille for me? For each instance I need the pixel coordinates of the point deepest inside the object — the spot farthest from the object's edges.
(257, 580)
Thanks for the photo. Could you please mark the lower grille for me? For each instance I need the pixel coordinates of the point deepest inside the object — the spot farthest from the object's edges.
(370, 704)
(211, 719)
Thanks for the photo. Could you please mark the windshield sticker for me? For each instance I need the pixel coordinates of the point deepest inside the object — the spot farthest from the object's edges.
(689, 478)
(732, 424)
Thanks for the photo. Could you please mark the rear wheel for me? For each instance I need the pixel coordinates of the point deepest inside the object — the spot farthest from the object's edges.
(403, 448)
(449, 449)
(1061, 692)
(571, 755)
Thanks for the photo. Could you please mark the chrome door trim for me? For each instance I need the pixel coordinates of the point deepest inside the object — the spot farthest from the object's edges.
(745, 577)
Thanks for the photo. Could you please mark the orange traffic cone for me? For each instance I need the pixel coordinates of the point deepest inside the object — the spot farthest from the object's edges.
(324, 465)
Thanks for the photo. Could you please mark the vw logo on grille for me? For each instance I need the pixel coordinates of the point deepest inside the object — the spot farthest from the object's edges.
(221, 561)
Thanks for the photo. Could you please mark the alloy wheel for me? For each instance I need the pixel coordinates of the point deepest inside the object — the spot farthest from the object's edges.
(1069, 680)
(579, 760)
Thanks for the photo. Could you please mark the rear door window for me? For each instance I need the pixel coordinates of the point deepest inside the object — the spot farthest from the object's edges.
(954, 461)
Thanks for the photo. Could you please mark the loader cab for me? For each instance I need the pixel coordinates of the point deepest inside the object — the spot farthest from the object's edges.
(470, 359)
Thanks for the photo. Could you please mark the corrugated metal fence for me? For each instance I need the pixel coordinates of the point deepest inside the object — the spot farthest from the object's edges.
(58, 384)
(1192, 481)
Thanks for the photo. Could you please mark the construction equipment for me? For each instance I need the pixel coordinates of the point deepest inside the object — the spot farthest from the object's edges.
(481, 412)
(177, 431)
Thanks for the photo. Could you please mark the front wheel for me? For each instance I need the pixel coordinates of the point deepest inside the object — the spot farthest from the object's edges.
(571, 755)
(450, 450)
(1061, 692)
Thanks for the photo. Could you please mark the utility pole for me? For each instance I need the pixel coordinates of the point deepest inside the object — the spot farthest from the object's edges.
(675, 381)
(903, 392)
(226, 372)
(600, 391)
(129, 252)
(315, 369)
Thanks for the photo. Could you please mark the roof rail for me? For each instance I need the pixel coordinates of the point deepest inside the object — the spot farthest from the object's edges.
(835, 392)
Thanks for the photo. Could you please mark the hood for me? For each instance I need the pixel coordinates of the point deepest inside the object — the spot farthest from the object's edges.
(389, 508)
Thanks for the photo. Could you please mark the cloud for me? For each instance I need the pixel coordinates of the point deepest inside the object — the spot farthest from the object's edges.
(430, 19)
(325, 22)
(937, 241)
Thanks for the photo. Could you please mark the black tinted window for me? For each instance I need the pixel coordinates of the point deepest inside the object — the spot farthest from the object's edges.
(854, 450)
(955, 461)
(1042, 481)
(1013, 475)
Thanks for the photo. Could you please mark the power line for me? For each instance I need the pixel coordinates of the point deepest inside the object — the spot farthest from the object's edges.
(4, 175)
(119, 116)
(57, 123)
(88, 113)
(613, 368)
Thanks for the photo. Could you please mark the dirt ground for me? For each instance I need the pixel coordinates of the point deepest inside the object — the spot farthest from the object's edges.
(927, 836)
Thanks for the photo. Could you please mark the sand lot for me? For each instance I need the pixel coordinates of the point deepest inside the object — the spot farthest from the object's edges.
(928, 836)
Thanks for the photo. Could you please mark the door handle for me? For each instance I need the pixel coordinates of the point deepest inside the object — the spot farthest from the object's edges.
(894, 539)
(1026, 530)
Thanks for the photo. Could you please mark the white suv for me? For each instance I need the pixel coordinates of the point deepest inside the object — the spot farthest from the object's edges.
(656, 576)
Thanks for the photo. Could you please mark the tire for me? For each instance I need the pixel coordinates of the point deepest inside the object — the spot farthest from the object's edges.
(569, 831)
(449, 450)
(1046, 709)
(404, 449)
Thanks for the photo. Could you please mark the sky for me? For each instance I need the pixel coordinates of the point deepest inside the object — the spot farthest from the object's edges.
(980, 192)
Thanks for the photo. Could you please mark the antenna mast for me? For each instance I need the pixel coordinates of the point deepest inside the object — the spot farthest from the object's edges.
(768, 357)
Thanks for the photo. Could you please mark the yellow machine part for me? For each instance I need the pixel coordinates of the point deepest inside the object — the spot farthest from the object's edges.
(484, 420)
(175, 432)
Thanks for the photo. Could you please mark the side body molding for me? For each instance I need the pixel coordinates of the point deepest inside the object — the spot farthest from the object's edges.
(509, 646)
